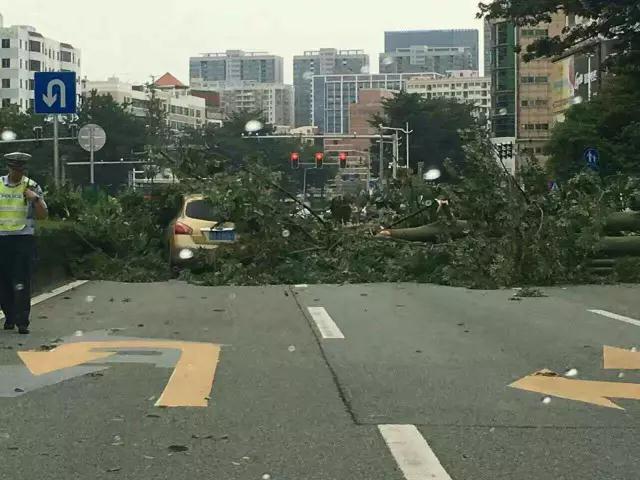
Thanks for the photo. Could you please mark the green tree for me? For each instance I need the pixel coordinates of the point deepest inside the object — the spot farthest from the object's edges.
(610, 122)
(125, 138)
(436, 124)
(605, 19)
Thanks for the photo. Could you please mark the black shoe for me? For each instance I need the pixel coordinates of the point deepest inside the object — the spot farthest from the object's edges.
(23, 331)
(9, 326)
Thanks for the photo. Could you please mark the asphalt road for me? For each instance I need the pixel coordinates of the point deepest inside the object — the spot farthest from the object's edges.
(321, 382)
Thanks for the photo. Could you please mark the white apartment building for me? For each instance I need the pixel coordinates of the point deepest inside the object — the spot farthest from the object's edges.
(183, 109)
(274, 100)
(24, 51)
(462, 85)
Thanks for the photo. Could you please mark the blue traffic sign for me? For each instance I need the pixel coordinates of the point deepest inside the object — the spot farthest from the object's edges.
(592, 157)
(55, 92)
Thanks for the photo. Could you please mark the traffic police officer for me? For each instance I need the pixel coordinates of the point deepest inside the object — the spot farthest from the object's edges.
(21, 203)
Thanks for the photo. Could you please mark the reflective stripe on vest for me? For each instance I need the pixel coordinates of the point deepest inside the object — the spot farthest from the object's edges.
(13, 207)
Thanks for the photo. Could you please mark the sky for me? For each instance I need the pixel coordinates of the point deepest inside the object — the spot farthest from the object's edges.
(135, 39)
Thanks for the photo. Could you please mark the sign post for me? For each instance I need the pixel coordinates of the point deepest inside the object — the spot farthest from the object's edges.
(55, 94)
(92, 138)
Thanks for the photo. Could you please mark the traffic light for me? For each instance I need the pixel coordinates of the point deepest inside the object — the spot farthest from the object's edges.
(295, 160)
(342, 157)
(319, 159)
(504, 150)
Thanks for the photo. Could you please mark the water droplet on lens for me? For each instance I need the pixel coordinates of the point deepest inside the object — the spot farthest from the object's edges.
(292, 349)
(266, 476)
(8, 135)
(572, 372)
(79, 333)
(387, 60)
(90, 298)
(546, 400)
(621, 375)
(253, 126)
(364, 69)
(19, 287)
(286, 233)
(307, 75)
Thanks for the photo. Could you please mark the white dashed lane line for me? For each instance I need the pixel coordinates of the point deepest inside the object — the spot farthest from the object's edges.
(615, 316)
(327, 327)
(412, 453)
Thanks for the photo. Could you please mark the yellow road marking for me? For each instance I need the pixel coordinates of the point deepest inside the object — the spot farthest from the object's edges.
(620, 359)
(546, 382)
(190, 383)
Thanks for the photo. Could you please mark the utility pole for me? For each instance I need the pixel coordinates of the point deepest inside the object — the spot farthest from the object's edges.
(381, 173)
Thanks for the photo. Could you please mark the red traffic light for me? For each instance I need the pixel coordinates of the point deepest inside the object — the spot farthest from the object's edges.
(342, 157)
(295, 160)
(319, 159)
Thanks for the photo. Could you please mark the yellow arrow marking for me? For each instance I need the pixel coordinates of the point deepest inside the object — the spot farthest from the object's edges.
(620, 359)
(596, 393)
(189, 386)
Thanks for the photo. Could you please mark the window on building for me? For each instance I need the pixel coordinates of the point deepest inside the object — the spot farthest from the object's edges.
(35, 66)
(542, 126)
(6, 43)
(542, 79)
(6, 83)
(31, 84)
(525, 103)
(6, 63)
(6, 102)
(32, 104)
(542, 103)
(35, 46)
(65, 56)
(20, 44)
(21, 64)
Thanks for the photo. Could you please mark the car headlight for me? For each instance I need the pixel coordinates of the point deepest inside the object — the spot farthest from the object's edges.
(186, 254)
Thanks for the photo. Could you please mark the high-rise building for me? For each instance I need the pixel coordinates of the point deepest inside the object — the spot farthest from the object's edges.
(183, 109)
(213, 69)
(274, 100)
(326, 61)
(522, 99)
(333, 95)
(24, 51)
(463, 86)
(425, 58)
(434, 38)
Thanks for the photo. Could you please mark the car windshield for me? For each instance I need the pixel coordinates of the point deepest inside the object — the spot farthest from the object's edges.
(202, 210)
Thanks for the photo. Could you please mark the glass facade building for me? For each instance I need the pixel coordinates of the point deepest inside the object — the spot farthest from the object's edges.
(326, 61)
(332, 96)
(502, 63)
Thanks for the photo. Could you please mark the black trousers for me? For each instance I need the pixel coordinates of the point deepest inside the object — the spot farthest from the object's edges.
(17, 254)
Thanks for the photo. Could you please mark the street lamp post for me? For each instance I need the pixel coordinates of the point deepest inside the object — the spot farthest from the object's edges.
(407, 132)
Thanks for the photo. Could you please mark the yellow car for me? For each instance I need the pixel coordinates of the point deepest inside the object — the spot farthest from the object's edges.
(197, 227)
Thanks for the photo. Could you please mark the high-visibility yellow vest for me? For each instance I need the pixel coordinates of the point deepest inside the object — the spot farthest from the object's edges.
(13, 206)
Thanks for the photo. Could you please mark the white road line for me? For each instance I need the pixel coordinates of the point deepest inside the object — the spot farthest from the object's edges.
(302, 285)
(615, 316)
(53, 293)
(412, 453)
(326, 325)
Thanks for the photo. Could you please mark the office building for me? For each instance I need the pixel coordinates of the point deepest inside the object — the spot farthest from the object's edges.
(332, 96)
(464, 86)
(369, 104)
(326, 61)
(183, 109)
(427, 59)
(435, 38)
(522, 109)
(213, 70)
(274, 100)
(24, 51)
(577, 75)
